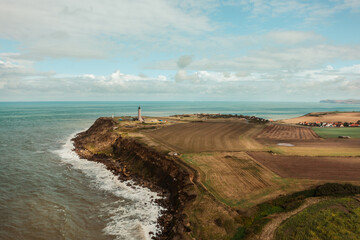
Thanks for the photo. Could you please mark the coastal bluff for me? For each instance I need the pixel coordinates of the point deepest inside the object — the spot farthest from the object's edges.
(224, 176)
(129, 159)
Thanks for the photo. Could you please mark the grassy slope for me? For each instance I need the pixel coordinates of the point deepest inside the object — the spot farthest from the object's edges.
(330, 219)
(336, 132)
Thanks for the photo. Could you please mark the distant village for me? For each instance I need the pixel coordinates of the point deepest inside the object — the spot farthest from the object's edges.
(330, 124)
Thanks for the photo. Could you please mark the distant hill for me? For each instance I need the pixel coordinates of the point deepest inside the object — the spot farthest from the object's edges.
(349, 101)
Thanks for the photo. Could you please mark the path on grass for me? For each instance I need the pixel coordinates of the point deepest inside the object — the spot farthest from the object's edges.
(268, 232)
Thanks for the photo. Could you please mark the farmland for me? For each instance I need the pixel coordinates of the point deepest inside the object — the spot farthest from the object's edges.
(353, 132)
(320, 168)
(305, 141)
(208, 136)
(235, 179)
(233, 160)
(241, 164)
(329, 219)
(286, 132)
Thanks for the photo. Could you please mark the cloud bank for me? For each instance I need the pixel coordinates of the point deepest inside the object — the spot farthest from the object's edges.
(19, 78)
(197, 50)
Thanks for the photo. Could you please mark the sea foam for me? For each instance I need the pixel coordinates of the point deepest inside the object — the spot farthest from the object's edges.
(135, 214)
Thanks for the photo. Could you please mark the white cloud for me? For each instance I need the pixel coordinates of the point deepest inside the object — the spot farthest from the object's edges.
(13, 68)
(353, 4)
(90, 29)
(293, 37)
(182, 76)
(218, 77)
(24, 83)
(218, 61)
(118, 77)
(91, 76)
(275, 7)
(355, 69)
(271, 59)
(310, 11)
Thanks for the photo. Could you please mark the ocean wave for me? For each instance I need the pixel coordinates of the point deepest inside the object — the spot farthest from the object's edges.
(135, 214)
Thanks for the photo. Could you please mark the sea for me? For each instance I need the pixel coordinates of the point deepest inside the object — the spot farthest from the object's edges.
(48, 192)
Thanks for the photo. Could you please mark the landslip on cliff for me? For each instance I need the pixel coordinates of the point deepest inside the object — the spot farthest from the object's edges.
(129, 159)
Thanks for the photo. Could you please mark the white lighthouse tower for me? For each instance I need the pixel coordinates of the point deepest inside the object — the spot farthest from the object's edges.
(139, 115)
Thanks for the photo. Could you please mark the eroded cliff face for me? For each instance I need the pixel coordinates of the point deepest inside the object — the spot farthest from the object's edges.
(97, 139)
(129, 159)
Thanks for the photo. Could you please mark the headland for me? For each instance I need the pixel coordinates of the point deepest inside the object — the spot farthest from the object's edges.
(228, 176)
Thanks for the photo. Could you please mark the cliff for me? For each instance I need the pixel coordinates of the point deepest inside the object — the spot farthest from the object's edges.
(129, 159)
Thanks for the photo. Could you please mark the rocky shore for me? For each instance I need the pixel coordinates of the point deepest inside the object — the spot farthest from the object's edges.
(129, 159)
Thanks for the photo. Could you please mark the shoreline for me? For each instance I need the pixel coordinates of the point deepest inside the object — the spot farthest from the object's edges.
(147, 168)
(127, 188)
(162, 201)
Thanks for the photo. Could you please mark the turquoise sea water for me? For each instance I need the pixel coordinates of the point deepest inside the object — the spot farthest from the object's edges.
(46, 192)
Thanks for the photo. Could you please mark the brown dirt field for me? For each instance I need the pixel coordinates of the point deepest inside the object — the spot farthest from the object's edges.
(236, 179)
(208, 136)
(284, 132)
(319, 168)
(328, 117)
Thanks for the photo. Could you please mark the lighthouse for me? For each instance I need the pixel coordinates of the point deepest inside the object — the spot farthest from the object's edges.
(139, 115)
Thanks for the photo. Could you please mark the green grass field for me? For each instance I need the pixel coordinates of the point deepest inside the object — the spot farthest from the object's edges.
(330, 219)
(353, 132)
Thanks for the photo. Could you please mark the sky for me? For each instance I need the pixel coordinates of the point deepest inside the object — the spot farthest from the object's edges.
(201, 50)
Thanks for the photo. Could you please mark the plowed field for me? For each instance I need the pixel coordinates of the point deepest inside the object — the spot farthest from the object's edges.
(236, 179)
(319, 168)
(284, 132)
(208, 136)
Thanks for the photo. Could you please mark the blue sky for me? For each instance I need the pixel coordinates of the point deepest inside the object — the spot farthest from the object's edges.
(257, 50)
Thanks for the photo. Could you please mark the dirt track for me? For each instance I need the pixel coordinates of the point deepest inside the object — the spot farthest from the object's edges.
(286, 132)
(268, 232)
(208, 136)
(319, 168)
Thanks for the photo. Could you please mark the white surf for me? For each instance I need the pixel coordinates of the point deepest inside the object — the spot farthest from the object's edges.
(135, 214)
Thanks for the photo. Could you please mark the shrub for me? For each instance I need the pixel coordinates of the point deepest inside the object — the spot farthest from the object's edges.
(336, 189)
